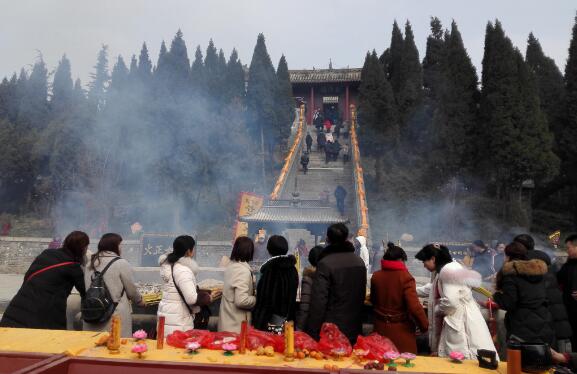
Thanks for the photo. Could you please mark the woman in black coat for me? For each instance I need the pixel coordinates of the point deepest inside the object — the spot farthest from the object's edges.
(277, 287)
(521, 291)
(41, 301)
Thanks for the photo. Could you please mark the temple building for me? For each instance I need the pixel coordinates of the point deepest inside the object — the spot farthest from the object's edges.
(331, 90)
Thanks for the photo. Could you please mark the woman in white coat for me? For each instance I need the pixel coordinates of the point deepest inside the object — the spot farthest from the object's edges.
(362, 251)
(178, 272)
(238, 292)
(455, 321)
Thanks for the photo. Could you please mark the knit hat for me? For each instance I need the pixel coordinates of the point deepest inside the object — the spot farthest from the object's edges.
(516, 251)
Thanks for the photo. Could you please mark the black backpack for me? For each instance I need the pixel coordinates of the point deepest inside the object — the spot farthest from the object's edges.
(97, 305)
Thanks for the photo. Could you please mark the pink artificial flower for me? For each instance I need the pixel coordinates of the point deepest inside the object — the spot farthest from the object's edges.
(391, 355)
(457, 356)
(408, 356)
(229, 347)
(139, 348)
(140, 334)
(192, 346)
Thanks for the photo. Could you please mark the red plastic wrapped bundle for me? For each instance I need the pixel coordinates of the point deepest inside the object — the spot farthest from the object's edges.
(178, 339)
(303, 341)
(376, 345)
(257, 338)
(333, 341)
(215, 340)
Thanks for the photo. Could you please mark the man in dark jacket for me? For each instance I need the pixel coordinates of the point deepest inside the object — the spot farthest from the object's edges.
(309, 142)
(305, 161)
(321, 141)
(340, 195)
(482, 259)
(339, 286)
(567, 279)
(277, 287)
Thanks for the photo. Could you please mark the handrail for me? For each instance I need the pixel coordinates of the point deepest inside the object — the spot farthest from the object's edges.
(289, 159)
(362, 209)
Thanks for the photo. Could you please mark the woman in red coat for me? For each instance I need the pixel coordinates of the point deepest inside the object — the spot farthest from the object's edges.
(396, 306)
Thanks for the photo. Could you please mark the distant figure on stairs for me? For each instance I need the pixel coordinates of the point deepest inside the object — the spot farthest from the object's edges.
(309, 142)
(346, 156)
(305, 161)
(321, 141)
(340, 194)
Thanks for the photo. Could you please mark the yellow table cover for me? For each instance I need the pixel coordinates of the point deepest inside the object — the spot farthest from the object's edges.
(81, 344)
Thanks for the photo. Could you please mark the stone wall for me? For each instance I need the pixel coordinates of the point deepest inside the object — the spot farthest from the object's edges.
(17, 253)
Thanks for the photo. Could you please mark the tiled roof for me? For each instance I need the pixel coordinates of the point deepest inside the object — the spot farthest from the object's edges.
(296, 214)
(325, 75)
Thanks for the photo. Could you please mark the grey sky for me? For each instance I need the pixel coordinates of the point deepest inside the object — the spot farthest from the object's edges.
(307, 32)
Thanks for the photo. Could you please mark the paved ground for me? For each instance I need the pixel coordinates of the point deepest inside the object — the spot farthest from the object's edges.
(9, 285)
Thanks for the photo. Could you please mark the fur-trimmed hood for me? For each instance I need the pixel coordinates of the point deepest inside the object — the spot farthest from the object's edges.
(309, 271)
(533, 270)
(455, 273)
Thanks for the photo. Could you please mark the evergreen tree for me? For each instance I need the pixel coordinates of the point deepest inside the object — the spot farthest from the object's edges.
(434, 62)
(99, 84)
(410, 92)
(62, 88)
(235, 80)
(9, 99)
(179, 65)
(550, 84)
(211, 70)
(119, 76)
(286, 103)
(261, 98)
(145, 65)
(569, 135)
(392, 61)
(34, 104)
(197, 73)
(133, 70)
(379, 133)
(517, 141)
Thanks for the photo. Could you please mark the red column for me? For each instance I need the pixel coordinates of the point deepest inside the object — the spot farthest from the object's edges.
(347, 103)
(312, 105)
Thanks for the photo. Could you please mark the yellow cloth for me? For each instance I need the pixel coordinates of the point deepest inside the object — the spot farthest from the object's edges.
(81, 343)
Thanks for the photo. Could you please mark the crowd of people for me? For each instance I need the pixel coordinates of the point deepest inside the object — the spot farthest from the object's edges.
(539, 302)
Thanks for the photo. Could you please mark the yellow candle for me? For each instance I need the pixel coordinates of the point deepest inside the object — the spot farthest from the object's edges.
(113, 344)
(289, 336)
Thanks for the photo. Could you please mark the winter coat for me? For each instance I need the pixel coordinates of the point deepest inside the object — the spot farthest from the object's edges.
(455, 321)
(567, 279)
(120, 283)
(172, 307)
(321, 139)
(340, 193)
(305, 303)
(522, 293)
(560, 321)
(363, 252)
(276, 291)
(41, 301)
(396, 307)
(237, 297)
(339, 289)
(309, 140)
(483, 263)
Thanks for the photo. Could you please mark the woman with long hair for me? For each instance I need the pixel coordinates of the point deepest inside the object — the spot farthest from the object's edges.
(180, 299)
(396, 306)
(455, 321)
(238, 292)
(41, 300)
(119, 281)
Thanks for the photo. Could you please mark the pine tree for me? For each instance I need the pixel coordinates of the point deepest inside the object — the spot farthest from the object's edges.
(569, 135)
(145, 65)
(235, 80)
(379, 132)
(197, 73)
(392, 61)
(285, 103)
(550, 83)
(119, 76)
(434, 62)
(179, 65)
(211, 70)
(9, 99)
(62, 88)
(133, 69)
(410, 92)
(34, 104)
(99, 84)
(261, 98)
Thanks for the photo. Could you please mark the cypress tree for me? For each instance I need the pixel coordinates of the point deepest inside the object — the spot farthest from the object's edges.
(211, 70)
(99, 84)
(179, 65)
(393, 60)
(235, 78)
(549, 81)
(221, 82)
(286, 103)
(569, 135)
(197, 73)
(411, 80)
(133, 70)
(9, 99)
(261, 99)
(62, 88)
(34, 104)
(379, 133)
(145, 65)
(119, 76)
(434, 62)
